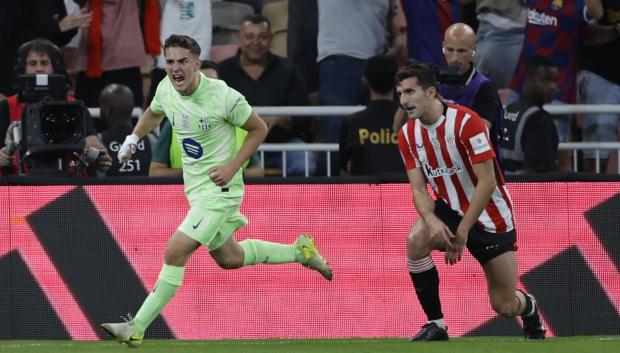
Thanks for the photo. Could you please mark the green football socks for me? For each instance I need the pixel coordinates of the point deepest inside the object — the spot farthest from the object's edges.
(169, 281)
(259, 251)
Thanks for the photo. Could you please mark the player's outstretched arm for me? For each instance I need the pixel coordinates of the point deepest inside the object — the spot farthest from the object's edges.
(147, 123)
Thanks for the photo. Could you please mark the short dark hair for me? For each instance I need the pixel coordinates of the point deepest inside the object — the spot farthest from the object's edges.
(533, 63)
(257, 19)
(182, 41)
(380, 71)
(209, 64)
(424, 73)
(43, 46)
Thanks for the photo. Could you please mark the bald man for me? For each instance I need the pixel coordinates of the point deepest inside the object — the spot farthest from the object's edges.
(116, 102)
(460, 82)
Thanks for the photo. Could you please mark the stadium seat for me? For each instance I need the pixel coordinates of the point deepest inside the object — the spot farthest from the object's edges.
(227, 17)
(223, 51)
(277, 13)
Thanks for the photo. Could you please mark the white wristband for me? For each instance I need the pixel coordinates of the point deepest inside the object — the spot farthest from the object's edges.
(132, 139)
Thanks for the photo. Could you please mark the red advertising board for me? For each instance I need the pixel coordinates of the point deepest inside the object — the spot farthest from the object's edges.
(94, 252)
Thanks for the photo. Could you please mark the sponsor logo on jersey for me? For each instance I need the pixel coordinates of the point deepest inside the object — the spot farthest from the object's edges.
(192, 148)
(479, 143)
(541, 19)
(433, 173)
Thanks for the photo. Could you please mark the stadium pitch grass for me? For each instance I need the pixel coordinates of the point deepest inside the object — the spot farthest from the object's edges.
(598, 344)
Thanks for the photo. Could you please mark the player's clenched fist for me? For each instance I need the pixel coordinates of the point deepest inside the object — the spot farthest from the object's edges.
(128, 148)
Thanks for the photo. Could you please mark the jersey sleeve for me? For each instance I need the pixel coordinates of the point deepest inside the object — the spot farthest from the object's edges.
(161, 152)
(156, 106)
(238, 109)
(475, 138)
(405, 150)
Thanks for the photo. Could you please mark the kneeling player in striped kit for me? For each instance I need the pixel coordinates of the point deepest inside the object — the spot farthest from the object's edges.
(448, 145)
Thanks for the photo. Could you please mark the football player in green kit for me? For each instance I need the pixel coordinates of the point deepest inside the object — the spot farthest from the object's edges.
(204, 113)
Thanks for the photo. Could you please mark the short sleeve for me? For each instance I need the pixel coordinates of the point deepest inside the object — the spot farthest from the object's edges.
(475, 138)
(161, 152)
(238, 109)
(156, 106)
(405, 150)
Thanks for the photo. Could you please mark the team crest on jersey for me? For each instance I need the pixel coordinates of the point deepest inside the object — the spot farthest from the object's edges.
(192, 148)
(185, 121)
(450, 140)
(557, 4)
(203, 124)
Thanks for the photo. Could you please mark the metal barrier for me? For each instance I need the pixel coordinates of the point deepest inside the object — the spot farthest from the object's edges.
(333, 147)
(554, 109)
(307, 148)
(589, 146)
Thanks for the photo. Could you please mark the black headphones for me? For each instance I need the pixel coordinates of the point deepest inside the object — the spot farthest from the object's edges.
(40, 45)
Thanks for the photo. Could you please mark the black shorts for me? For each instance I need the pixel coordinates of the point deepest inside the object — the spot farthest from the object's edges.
(482, 245)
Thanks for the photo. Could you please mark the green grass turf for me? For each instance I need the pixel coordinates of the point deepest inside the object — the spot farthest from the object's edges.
(595, 344)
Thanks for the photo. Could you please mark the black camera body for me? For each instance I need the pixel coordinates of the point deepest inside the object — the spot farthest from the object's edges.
(450, 75)
(52, 129)
(35, 88)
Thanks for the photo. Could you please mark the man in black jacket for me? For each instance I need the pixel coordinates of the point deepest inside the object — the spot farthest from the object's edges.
(530, 139)
(368, 145)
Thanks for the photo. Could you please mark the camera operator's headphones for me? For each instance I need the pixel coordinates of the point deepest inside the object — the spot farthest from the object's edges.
(473, 52)
(40, 45)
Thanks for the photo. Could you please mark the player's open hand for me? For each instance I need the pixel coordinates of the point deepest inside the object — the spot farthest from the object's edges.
(440, 231)
(221, 175)
(454, 252)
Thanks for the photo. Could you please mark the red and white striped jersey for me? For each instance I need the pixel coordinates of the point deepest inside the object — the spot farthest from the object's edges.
(446, 152)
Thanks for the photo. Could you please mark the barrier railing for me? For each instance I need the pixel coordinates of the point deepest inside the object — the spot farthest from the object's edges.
(333, 147)
(347, 110)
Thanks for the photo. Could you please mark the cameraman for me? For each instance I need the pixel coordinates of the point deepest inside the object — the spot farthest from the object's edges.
(462, 84)
(40, 56)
